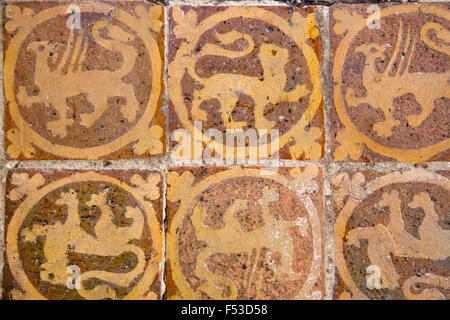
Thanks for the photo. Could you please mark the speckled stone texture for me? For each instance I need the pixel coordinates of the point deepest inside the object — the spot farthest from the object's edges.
(241, 68)
(245, 233)
(90, 92)
(83, 235)
(392, 235)
(391, 90)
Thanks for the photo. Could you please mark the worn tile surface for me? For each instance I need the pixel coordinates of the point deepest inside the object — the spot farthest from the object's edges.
(244, 234)
(89, 91)
(238, 68)
(392, 235)
(83, 235)
(391, 82)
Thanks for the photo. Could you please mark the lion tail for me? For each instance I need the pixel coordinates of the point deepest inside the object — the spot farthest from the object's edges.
(117, 43)
(428, 293)
(104, 290)
(441, 33)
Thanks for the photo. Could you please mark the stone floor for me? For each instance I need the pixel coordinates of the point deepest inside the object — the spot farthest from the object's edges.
(225, 150)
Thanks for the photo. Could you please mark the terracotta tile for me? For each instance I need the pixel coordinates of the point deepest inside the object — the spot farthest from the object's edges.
(241, 233)
(350, 1)
(83, 235)
(233, 69)
(391, 90)
(392, 235)
(92, 91)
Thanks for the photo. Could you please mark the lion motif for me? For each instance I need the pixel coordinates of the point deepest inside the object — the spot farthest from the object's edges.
(232, 240)
(393, 239)
(109, 240)
(55, 86)
(226, 88)
(383, 88)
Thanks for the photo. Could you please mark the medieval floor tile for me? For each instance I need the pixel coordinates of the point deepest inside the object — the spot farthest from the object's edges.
(83, 235)
(83, 80)
(392, 236)
(245, 233)
(255, 70)
(390, 74)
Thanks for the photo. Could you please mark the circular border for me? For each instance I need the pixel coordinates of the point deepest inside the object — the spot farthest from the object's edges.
(11, 56)
(347, 212)
(172, 239)
(412, 155)
(22, 211)
(310, 57)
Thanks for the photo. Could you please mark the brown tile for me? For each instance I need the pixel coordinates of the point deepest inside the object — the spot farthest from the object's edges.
(239, 68)
(242, 233)
(391, 89)
(83, 235)
(92, 91)
(392, 236)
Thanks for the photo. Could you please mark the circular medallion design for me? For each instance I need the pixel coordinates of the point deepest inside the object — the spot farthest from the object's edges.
(247, 68)
(392, 82)
(392, 242)
(239, 235)
(80, 92)
(87, 236)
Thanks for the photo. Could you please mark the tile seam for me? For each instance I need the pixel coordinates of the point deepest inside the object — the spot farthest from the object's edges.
(164, 163)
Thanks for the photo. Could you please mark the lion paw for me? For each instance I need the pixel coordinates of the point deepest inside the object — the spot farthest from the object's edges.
(415, 120)
(29, 235)
(59, 127)
(353, 239)
(384, 129)
(128, 113)
(22, 95)
(198, 114)
(264, 124)
(234, 126)
(350, 98)
(87, 120)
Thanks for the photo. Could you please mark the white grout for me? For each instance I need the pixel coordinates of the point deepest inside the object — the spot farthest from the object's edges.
(164, 163)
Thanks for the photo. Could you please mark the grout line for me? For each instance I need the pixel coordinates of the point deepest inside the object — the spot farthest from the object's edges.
(3, 171)
(3, 174)
(222, 3)
(164, 228)
(164, 188)
(2, 97)
(77, 1)
(165, 109)
(165, 162)
(322, 19)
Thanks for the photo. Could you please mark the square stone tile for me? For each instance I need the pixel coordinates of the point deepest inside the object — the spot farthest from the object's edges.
(83, 80)
(392, 236)
(255, 70)
(83, 235)
(243, 233)
(391, 82)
